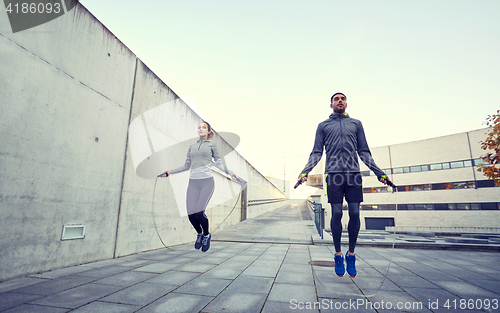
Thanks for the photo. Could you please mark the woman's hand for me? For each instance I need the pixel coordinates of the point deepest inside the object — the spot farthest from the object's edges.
(234, 176)
(165, 174)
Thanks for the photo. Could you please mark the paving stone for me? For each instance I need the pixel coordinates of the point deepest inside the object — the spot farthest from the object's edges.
(173, 277)
(260, 271)
(159, 268)
(125, 279)
(204, 286)
(251, 284)
(197, 267)
(491, 285)
(297, 258)
(338, 288)
(12, 299)
(370, 283)
(464, 289)
(100, 307)
(29, 308)
(103, 271)
(140, 294)
(288, 277)
(53, 286)
(223, 272)
(19, 283)
(62, 272)
(135, 263)
(411, 281)
(78, 296)
(288, 292)
(230, 301)
(296, 268)
(177, 303)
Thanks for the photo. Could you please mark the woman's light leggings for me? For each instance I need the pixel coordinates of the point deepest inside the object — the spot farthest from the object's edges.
(199, 193)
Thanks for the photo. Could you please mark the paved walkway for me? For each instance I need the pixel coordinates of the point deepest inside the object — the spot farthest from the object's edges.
(262, 265)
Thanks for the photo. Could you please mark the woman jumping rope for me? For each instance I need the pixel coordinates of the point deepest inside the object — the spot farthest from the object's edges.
(201, 182)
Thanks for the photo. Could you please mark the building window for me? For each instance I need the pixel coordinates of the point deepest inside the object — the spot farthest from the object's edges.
(445, 165)
(479, 162)
(421, 187)
(441, 206)
(468, 163)
(485, 183)
(463, 206)
(463, 185)
(457, 164)
(398, 170)
(415, 168)
(438, 166)
(490, 206)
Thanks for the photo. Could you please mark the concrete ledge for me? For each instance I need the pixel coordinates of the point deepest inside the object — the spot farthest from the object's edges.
(466, 240)
(421, 234)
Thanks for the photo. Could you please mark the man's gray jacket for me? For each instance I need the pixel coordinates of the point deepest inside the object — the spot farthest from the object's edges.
(343, 139)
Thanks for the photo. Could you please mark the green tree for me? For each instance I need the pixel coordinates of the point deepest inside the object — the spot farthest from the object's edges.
(491, 160)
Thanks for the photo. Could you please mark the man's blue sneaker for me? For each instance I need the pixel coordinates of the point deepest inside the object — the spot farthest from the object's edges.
(339, 265)
(350, 260)
(206, 242)
(198, 243)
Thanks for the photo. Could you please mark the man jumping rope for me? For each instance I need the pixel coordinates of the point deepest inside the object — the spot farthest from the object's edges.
(343, 139)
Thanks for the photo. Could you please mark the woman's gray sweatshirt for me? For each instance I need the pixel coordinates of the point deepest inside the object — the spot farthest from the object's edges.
(199, 159)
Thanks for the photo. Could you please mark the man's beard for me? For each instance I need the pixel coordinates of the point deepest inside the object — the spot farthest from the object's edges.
(339, 111)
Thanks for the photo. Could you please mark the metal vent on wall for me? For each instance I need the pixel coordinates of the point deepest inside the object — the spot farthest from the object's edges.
(73, 232)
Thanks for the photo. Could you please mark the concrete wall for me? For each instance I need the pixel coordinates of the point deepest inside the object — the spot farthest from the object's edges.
(69, 90)
(283, 185)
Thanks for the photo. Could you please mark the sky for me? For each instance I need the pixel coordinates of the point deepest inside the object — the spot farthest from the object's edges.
(266, 70)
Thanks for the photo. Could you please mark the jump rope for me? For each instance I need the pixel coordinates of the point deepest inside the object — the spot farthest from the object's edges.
(243, 185)
(394, 190)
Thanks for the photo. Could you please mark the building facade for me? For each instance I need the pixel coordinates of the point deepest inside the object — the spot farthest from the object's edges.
(438, 186)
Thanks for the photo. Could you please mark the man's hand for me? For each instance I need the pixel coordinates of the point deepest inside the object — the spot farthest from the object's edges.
(302, 178)
(386, 181)
(234, 176)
